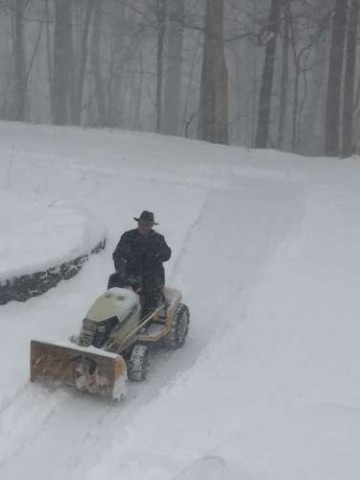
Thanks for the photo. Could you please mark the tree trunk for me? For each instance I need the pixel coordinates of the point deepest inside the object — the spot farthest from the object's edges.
(213, 108)
(332, 122)
(312, 125)
(114, 91)
(284, 79)
(95, 66)
(295, 111)
(17, 111)
(62, 62)
(161, 29)
(139, 92)
(76, 112)
(49, 64)
(270, 36)
(174, 64)
(348, 107)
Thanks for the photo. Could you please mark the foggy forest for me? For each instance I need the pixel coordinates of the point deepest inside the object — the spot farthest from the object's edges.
(279, 74)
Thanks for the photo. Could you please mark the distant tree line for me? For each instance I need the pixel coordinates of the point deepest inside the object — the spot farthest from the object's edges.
(259, 73)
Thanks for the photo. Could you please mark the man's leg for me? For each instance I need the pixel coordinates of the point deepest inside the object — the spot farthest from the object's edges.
(152, 286)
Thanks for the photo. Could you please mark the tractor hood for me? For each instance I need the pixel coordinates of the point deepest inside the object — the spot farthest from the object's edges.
(116, 302)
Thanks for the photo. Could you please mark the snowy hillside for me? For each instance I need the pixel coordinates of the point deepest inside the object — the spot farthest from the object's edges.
(266, 252)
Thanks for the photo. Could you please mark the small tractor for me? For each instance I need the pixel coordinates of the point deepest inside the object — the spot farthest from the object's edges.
(113, 343)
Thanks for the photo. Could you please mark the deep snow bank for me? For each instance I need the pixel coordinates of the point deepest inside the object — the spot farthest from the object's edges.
(41, 243)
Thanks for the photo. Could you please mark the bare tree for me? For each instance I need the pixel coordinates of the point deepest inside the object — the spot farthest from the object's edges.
(284, 77)
(268, 37)
(332, 123)
(316, 34)
(62, 62)
(348, 105)
(213, 109)
(173, 69)
(119, 53)
(79, 85)
(302, 50)
(49, 59)
(161, 8)
(95, 65)
(18, 103)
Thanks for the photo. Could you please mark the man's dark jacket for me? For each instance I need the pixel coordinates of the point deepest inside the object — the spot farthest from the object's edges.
(138, 255)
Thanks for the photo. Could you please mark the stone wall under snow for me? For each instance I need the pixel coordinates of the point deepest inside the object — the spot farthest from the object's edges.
(42, 243)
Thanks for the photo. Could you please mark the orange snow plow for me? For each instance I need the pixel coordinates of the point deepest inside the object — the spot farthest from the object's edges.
(88, 369)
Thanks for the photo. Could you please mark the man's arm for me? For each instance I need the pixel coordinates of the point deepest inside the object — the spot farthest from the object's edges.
(121, 253)
(163, 251)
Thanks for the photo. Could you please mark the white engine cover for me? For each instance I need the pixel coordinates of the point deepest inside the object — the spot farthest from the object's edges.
(115, 302)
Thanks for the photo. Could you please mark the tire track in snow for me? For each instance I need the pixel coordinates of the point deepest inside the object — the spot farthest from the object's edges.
(233, 237)
(187, 238)
(24, 417)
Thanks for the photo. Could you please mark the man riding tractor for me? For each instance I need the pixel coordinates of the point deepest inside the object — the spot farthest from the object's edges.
(138, 259)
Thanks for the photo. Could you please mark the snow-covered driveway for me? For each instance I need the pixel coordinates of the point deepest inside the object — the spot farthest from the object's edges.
(228, 222)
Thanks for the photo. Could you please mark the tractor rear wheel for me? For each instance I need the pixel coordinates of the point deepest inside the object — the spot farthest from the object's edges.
(179, 327)
(138, 364)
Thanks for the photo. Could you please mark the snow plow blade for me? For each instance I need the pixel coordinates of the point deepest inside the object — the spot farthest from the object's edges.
(85, 368)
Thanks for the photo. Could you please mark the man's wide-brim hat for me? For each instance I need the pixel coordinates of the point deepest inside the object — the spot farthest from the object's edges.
(146, 217)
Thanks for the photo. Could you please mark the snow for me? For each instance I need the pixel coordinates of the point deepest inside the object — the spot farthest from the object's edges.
(266, 254)
(31, 229)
